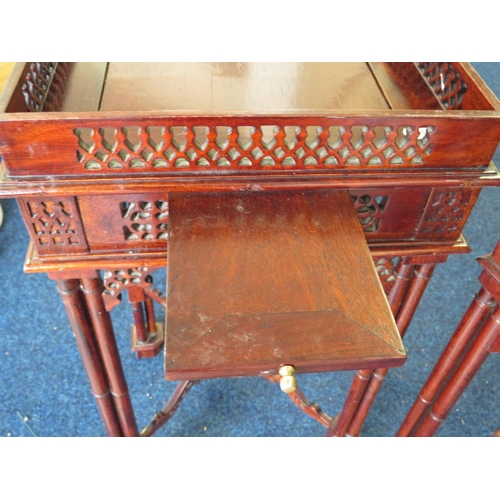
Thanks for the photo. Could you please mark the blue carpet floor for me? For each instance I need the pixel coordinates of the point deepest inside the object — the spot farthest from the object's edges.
(44, 390)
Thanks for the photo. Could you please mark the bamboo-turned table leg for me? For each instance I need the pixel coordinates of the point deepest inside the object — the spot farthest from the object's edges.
(362, 377)
(354, 396)
(76, 309)
(452, 355)
(477, 335)
(422, 275)
(403, 299)
(457, 384)
(101, 320)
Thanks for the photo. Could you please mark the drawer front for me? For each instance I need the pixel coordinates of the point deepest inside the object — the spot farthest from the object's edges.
(135, 222)
(390, 214)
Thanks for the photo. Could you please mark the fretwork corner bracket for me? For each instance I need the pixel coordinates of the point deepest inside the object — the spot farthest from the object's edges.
(386, 270)
(115, 282)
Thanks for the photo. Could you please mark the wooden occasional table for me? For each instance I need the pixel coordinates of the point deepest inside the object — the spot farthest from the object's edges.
(97, 168)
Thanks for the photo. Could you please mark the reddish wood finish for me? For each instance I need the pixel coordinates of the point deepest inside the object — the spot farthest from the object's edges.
(54, 225)
(150, 314)
(77, 313)
(94, 156)
(475, 315)
(275, 285)
(103, 328)
(404, 314)
(403, 276)
(41, 87)
(444, 213)
(386, 215)
(403, 86)
(163, 416)
(473, 340)
(433, 86)
(153, 344)
(354, 397)
(308, 407)
(94, 185)
(362, 377)
(455, 86)
(472, 362)
(147, 335)
(136, 297)
(130, 277)
(130, 222)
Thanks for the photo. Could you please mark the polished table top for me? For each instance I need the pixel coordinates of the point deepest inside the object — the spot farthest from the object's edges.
(240, 86)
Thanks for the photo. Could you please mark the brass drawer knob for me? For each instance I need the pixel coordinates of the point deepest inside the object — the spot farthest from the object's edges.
(288, 382)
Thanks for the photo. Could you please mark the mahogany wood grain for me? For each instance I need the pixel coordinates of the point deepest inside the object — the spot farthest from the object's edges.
(472, 362)
(403, 86)
(454, 351)
(481, 92)
(275, 284)
(470, 345)
(363, 180)
(54, 225)
(105, 217)
(351, 403)
(362, 377)
(34, 263)
(24, 139)
(74, 303)
(416, 288)
(92, 289)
